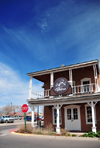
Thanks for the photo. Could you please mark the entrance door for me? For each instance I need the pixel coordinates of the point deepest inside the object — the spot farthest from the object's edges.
(72, 117)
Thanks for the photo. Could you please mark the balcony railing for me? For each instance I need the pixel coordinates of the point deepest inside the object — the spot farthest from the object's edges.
(76, 90)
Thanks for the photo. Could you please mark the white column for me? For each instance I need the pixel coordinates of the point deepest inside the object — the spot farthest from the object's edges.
(30, 88)
(70, 77)
(95, 76)
(71, 80)
(32, 121)
(51, 80)
(93, 116)
(58, 124)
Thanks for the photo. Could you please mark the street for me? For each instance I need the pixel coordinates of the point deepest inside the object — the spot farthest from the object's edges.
(8, 140)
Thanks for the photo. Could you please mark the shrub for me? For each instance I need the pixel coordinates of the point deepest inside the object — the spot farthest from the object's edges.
(63, 131)
(67, 134)
(51, 133)
(28, 129)
(91, 134)
(98, 133)
(49, 127)
(73, 135)
(39, 132)
(85, 135)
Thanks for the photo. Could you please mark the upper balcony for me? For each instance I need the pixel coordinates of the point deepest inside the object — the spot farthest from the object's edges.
(75, 90)
(83, 78)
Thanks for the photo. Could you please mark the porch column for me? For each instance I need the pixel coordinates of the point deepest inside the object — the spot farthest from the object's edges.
(95, 76)
(58, 125)
(51, 80)
(93, 116)
(70, 77)
(33, 108)
(32, 121)
(71, 80)
(30, 87)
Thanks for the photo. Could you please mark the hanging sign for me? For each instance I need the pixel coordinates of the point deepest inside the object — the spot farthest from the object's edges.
(61, 85)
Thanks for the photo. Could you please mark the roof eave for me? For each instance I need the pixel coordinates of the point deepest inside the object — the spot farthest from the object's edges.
(59, 69)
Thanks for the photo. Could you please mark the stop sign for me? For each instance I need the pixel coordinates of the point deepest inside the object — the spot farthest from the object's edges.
(24, 108)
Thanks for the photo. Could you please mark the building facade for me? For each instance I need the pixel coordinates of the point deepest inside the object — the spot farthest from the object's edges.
(71, 96)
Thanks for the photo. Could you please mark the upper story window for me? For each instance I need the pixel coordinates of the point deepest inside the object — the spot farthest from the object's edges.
(85, 85)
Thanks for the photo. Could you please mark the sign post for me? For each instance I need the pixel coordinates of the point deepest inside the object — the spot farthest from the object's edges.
(25, 120)
(24, 110)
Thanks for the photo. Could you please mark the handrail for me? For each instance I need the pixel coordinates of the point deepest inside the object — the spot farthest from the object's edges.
(79, 89)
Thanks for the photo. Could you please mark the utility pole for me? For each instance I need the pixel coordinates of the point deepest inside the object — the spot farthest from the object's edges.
(37, 114)
(11, 106)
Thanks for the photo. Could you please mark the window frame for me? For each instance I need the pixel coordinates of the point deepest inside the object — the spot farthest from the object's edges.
(83, 80)
(91, 111)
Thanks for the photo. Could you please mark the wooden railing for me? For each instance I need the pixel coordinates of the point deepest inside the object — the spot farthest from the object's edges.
(76, 90)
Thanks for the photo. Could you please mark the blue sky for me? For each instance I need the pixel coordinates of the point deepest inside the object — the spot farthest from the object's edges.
(42, 34)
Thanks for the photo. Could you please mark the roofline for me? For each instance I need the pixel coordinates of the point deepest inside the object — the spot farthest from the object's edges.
(74, 66)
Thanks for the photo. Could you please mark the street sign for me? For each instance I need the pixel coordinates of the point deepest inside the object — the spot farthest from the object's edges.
(24, 108)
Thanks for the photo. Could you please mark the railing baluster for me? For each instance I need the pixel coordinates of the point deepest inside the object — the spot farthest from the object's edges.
(75, 90)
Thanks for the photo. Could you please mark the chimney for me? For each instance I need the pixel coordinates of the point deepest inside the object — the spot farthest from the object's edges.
(62, 65)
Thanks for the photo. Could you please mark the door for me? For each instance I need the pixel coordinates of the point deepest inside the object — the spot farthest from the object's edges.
(72, 117)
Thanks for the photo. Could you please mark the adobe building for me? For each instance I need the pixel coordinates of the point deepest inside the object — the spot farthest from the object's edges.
(71, 96)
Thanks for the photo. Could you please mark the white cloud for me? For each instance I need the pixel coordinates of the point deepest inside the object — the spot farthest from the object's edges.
(13, 88)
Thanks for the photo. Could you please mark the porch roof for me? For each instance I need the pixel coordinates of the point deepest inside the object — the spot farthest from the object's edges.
(74, 66)
(65, 100)
(43, 75)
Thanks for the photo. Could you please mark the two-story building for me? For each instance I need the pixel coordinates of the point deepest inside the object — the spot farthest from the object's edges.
(71, 96)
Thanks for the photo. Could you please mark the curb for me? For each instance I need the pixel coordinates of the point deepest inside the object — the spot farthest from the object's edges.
(57, 137)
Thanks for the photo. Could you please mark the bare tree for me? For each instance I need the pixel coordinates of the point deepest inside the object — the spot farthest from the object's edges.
(11, 108)
(18, 108)
(7, 109)
(1, 113)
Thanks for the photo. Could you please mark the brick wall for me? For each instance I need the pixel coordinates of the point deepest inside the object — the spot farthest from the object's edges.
(84, 127)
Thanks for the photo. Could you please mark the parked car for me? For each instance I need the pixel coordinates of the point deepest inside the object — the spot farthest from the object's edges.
(40, 118)
(18, 117)
(7, 119)
(28, 118)
(1, 120)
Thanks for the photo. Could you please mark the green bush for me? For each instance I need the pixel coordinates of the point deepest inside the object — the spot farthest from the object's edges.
(85, 135)
(91, 134)
(73, 135)
(98, 133)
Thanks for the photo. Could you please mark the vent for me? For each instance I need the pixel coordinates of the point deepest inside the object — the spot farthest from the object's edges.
(62, 65)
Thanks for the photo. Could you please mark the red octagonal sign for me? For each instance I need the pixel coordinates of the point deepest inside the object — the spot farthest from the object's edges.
(24, 108)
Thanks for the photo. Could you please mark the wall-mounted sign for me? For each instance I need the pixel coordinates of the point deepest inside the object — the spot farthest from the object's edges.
(61, 85)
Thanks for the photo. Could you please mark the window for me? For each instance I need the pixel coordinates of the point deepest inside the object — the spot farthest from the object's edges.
(69, 114)
(55, 116)
(75, 114)
(88, 112)
(85, 85)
